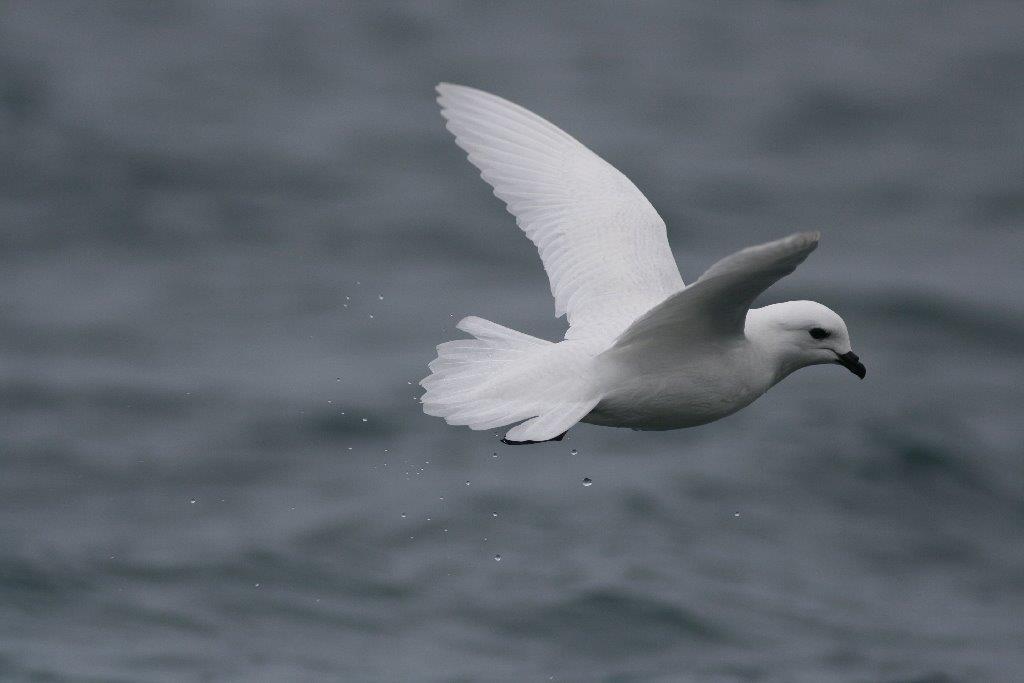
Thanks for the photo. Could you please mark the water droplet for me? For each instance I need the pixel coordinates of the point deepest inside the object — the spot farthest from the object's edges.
(428, 519)
(364, 419)
(587, 481)
(735, 514)
(381, 297)
(574, 452)
(255, 585)
(403, 515)
(467, 482)
(371, 316)
(191, 501)
(494, 455)
(497, 558)
(330, 402)
(494, 514)
(441, 498)
(338, 379)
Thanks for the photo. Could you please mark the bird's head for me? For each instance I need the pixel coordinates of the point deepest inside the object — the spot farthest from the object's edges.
(802, 333)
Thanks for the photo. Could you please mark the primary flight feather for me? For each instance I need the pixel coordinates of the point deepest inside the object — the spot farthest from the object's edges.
(642, 350)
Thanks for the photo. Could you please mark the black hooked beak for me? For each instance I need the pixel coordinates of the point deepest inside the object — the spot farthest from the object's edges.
(851, 362)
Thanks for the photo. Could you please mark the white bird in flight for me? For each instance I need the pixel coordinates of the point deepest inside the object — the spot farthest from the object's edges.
(642, 350)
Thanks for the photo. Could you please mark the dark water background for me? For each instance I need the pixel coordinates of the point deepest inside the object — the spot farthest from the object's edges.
(232, 233)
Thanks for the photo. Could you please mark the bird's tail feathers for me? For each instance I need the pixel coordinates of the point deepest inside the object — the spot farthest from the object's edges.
(502, 376)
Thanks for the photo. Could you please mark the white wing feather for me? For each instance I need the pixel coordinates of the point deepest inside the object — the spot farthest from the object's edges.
(716, 305)
(603, 245)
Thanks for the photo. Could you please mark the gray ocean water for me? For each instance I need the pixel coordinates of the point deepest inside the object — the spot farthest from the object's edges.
(232, 233)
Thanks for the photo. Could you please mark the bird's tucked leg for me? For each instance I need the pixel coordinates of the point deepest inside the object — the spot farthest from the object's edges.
(507, 442)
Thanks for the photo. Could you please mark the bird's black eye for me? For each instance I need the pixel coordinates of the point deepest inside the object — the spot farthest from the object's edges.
(819, 333)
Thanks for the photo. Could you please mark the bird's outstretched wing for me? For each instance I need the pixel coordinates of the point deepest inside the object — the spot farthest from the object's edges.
(716, 305)
(603, 245)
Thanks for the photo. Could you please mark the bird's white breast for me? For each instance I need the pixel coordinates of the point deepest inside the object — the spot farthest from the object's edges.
(670, 390)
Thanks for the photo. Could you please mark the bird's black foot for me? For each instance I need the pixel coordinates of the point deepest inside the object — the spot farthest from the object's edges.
(527, 443)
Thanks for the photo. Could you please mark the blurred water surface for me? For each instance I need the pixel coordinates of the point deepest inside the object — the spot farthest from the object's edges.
(232, 234)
